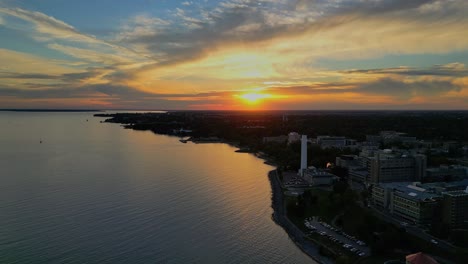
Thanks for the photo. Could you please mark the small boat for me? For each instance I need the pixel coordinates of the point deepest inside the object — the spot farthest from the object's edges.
(183, 140)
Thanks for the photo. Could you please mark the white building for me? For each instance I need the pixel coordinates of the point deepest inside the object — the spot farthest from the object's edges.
(303, 155)
(293, 137)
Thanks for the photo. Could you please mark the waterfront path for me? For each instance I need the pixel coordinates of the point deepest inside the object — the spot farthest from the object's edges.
(296, 234)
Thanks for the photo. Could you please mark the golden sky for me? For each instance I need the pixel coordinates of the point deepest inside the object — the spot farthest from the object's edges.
(234, 54)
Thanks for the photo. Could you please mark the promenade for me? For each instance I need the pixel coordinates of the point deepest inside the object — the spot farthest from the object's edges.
(280, 217)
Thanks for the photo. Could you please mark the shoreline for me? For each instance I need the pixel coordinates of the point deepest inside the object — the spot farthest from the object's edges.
(279, 212)
(294, 233)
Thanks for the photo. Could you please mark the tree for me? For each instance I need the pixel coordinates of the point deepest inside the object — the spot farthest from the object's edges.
(340, 187)
(343, 260)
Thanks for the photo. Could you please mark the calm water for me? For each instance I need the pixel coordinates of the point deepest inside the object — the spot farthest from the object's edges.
(98, 193)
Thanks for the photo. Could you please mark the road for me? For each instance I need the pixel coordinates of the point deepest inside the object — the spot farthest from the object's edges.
(296, 234)
(412, 229)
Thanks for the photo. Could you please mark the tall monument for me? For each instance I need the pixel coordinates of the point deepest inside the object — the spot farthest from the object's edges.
(303, 155)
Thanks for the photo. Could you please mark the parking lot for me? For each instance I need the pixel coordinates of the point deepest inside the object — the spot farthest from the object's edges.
(347, 241)
(291, 179)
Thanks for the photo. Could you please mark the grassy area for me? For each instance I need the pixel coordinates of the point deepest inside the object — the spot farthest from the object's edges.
(361, 223)
(322, 206)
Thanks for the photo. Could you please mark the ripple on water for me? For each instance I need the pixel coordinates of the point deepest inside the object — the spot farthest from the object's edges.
(102, 194)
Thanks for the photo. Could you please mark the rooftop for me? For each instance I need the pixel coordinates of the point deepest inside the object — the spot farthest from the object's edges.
(456, 193)
(410, 191)
(420, 258)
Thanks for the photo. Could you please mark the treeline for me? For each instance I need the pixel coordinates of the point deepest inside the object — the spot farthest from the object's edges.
(436, 125)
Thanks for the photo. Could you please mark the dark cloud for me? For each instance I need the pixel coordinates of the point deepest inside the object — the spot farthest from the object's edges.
(222, 27)
(379, 6)
(450, 70)
(319, 88)
(386, 6)
(116, 96)
(219, 30)
(385, 86)
(14, 75)
(407, 90)
(66, 77)
(99, 90)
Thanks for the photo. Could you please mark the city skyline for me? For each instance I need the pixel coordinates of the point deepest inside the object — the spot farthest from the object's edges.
(234, 54)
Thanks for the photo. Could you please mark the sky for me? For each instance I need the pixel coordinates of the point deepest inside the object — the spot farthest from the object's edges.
(234, 54)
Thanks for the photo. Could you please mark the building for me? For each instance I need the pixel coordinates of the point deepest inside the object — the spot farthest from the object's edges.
(424, 204)
(293, 137)
(359, 174)
(317, 177)
(335, 142)
(455, 209)
(406, 201)
(389, 137)
(389, 166)
(446, 173)
(357, 166)
(346, 161)
(303, 155)
(374, 166)
(440, 187)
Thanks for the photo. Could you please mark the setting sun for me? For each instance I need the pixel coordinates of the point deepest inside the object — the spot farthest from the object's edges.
(254, 98)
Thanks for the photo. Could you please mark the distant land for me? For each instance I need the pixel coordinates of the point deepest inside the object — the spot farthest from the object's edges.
(344, 112)
(50, 110)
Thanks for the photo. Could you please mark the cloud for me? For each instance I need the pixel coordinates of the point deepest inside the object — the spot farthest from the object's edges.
(75, 78)
(49, 25)
(449, 70)
(201, 53)
(407, 90)
(90, 55)
(340, 30)
(21, 62)
(50, 29)
(399, 89)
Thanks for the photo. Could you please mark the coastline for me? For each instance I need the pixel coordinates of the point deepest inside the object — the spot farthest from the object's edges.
(294, 233)
(279, 212)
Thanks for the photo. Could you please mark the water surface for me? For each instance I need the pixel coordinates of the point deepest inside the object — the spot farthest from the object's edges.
(97, 193)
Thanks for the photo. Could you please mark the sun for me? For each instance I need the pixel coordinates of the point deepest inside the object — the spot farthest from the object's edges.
(253, 98)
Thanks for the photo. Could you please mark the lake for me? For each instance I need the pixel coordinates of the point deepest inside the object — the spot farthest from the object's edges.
(74, 190)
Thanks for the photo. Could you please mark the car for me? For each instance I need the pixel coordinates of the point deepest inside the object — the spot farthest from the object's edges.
(353, 249)
(359, 242)
(433, 241)
(404, 224)
(362, 254)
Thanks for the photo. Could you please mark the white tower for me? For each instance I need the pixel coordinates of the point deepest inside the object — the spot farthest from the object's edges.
(303, 155)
